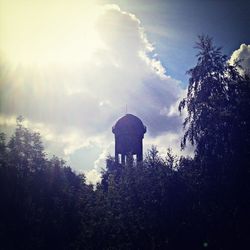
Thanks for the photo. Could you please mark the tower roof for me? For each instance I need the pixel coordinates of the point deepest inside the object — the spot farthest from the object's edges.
(129, 124)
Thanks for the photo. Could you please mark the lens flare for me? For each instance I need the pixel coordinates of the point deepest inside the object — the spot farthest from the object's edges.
(48, 32)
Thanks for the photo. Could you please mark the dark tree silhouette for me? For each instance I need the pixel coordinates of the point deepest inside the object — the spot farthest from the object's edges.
(44, 205)
(159, 203)
(218, 125)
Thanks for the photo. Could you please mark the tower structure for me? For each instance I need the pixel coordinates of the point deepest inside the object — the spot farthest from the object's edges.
(129, 132)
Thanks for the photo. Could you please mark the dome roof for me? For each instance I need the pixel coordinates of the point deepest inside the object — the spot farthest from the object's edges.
(129, 124)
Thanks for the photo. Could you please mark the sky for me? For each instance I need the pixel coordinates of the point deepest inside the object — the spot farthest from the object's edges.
(71, 68)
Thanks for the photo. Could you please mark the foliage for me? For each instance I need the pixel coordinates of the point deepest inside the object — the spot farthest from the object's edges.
(42, 200)
(160, 203)
(217, 104)
(218, 125)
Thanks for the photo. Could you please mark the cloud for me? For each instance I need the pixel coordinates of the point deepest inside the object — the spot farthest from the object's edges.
(93, 176)
(243, 55)
(75, 106)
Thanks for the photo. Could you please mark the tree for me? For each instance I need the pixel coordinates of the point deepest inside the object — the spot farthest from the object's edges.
(209, 98)
(218, 124)
(44, 204)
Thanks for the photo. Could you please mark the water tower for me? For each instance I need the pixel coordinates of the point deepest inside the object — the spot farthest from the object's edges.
(129, 132)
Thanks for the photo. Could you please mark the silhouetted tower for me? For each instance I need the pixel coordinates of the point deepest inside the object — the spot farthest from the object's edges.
(129, 132)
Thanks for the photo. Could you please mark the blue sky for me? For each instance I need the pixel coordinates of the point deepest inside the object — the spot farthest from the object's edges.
(71, 67)
(173, 27)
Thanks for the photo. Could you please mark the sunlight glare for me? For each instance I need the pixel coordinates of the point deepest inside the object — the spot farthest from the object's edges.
(48, 32)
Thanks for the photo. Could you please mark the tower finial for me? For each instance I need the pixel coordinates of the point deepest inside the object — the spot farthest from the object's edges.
(126, 109)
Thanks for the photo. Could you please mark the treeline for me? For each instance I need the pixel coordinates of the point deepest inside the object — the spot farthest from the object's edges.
(161, 203)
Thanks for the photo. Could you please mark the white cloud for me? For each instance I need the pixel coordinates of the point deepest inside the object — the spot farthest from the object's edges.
(169, 140)
(242, 54)
(93, 176)
(74, 107)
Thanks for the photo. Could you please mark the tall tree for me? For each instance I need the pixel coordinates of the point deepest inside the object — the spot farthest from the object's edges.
(218, 124)
(210, 102)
